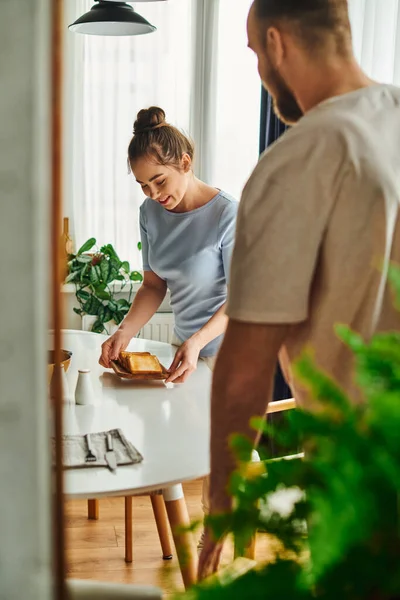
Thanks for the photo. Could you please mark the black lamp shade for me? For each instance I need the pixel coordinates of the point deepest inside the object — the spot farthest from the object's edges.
(112, 18)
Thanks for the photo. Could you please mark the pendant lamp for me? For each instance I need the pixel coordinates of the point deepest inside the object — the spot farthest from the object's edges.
(112, 17)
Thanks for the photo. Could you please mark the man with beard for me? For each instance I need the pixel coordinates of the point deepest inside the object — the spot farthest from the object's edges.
(317, 226)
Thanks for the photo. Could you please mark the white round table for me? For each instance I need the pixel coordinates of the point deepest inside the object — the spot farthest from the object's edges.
(168, 424)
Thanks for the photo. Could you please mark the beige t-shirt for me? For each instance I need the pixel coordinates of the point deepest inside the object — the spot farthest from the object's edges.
(317, 227)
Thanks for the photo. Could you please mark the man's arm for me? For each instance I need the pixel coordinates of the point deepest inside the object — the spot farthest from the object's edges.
(242, 388)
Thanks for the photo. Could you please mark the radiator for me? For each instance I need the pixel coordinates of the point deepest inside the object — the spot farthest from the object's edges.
(160, 328)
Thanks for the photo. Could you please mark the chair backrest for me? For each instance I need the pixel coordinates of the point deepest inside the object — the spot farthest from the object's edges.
(281, 405)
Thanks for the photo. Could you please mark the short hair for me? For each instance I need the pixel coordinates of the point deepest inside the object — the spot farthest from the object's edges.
(313, 21)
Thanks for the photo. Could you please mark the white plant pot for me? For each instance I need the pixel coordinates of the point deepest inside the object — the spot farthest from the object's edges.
(89, 320)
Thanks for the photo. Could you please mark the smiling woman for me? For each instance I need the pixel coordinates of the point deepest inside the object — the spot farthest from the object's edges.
(187, 231)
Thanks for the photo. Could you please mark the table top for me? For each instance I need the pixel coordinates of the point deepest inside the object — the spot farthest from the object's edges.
(168, 424)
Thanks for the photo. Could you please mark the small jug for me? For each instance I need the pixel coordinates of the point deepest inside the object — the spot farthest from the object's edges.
(84, 393)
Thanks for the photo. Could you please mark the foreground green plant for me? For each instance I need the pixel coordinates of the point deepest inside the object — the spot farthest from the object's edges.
(94, 275)
(346, 489)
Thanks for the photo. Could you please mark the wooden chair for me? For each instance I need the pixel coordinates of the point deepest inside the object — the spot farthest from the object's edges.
(273, 407)
(160, 516)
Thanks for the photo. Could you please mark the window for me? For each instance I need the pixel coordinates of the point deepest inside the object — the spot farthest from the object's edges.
(108, 80)
(376, 38)
(238, 95)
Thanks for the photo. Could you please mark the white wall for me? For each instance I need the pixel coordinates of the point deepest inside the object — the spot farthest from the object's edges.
(25, 548)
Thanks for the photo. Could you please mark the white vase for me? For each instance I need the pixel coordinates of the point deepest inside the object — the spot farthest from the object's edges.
(84, 392)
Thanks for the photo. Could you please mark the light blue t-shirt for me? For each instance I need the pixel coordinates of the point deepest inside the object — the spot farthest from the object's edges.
(192, 252)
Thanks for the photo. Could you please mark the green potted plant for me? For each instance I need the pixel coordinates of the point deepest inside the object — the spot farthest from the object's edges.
(349, 486)
(99, 276)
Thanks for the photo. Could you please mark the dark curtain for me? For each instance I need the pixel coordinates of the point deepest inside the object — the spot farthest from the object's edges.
(271, 128)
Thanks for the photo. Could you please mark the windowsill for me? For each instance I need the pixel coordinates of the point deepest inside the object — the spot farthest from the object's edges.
(115, 286)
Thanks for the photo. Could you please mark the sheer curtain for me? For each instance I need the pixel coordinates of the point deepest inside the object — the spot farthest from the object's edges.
(376, 37)
(107, 81)
(197, 67)
(238, 100)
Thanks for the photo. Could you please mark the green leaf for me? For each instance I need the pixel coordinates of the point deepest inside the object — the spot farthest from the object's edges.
(122, 303)
(108, 249)
(112, 305)
(102, 294)
(107, 316)
(394, 278)
(125, 266)
(242, 447)
(101, 312)
(105, 268)
(95, 275)
(98, 327)
(75, 266)
(118, 317)
(87, 246)
(114, 270)
(78, 311)
(71, 277)
(83, 295)
(113, 254)
(135, 276)
(92, 306)
(84, 272)
(84, 259)
(139, 246)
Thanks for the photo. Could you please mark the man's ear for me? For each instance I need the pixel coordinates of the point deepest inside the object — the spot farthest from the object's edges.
(186, 163)
(275, 46)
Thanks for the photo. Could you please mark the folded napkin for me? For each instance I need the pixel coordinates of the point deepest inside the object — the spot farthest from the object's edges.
(75, 450)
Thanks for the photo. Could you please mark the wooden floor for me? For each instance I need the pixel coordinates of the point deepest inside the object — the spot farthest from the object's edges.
(95, 549)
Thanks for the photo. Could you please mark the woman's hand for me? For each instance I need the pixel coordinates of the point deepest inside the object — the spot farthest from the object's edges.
(185, 361)
(113, 346)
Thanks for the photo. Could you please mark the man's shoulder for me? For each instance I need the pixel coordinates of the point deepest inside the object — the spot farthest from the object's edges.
(309, 159)
(317, 145)
(307, 137)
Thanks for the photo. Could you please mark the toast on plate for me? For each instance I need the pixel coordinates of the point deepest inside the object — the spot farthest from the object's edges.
(140, 362)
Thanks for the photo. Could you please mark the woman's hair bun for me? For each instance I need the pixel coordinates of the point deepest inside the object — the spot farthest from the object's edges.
(155, 139)
(149, 118)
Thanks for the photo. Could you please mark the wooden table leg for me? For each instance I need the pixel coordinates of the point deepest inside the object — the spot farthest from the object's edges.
(160, 515)
(93, 509)
(184, 543)
(128, 530)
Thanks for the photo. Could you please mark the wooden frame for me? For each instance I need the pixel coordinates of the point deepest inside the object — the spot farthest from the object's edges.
(56, 23)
